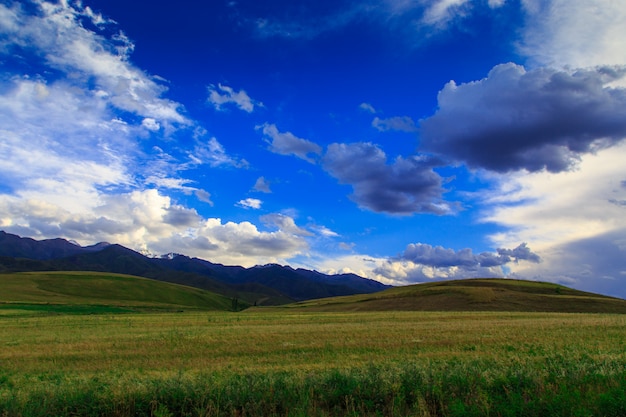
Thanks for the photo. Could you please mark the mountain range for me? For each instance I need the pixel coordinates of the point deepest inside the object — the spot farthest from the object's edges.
(270, 284)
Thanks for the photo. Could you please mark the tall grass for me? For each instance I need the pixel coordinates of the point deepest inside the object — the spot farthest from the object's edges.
(262, 364)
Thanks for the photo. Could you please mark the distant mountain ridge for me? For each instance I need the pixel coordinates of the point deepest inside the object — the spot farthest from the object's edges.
(24, 247)
(267, 284)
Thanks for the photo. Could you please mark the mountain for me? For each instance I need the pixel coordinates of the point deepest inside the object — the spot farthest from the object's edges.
(22, 247)
(267, 285)
(488, 294)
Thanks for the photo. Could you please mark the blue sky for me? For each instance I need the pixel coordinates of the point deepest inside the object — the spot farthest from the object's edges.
(405, 141)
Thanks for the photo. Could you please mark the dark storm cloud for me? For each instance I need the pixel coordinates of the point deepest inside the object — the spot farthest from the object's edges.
(439, 257)
(408, 185)
(522, 252)
(516, 119)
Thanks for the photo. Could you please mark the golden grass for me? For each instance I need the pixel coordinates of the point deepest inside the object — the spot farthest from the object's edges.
(265, 340)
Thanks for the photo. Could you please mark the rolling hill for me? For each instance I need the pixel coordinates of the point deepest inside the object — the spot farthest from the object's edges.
(50, 290)
(261, 285)
(472, 295)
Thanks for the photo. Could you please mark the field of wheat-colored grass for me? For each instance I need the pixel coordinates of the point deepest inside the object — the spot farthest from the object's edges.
(131, 360)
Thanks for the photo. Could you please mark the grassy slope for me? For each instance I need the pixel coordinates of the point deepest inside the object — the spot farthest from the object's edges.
(102, 289)
(473, 295)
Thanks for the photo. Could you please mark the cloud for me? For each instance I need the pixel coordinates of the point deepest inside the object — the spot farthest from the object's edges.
(57, 37)
(324, 231)
(204, 196)
(422, 262)
(596, 264)
(440, 12)
(262, 185)
(437, 256)
(574, 33)
(304, 20)
(250, 203)
(403, 124)
(213, 153)
(285, 223)
(558, 212)
(230, 96)
(150, 222)
(407, 186)
(516, 119)
(367, 107)
(346, 245)
(288, 144)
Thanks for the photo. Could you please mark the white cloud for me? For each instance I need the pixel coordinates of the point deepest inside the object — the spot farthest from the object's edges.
(213, 154)
(362, 265)
(557, 213)
(58, 37)
(149, 221)
(229, 96)
(284, 223)
(575, 33)
(440, 12)
(74, 163)
(286, 143)
(250, 203)
(324, 231)
(151, 124)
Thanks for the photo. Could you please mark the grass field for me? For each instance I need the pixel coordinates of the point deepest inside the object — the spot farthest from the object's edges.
(81, 292)
(291, 363)
(472, 295)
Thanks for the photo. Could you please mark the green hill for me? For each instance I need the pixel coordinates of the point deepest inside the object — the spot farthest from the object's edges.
(95, 291)
(473, 295)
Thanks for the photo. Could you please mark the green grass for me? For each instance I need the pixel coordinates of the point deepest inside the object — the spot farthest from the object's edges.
(93, 292)
(291, 363)
(65, 351)
(473, 295)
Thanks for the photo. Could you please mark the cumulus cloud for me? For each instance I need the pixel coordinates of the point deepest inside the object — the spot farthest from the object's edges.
(286, 143)
(221, 95)
(74, 160)
(437, 256)
(422, 262)
(403, 124)
(539, 119)
(151, 222)
(406, 186)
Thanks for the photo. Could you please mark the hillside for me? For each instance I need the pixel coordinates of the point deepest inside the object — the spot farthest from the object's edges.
(73, 289)
(473, 295)
(261, 285)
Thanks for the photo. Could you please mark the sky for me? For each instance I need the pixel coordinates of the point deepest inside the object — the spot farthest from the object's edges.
(402, 140)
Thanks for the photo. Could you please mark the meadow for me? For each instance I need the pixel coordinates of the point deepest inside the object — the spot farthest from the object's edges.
(282, 362)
